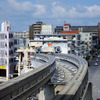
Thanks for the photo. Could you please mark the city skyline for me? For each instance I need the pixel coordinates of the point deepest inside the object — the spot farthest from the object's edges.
(22, 13)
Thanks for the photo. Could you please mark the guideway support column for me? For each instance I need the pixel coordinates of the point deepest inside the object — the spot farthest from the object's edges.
(47, 93)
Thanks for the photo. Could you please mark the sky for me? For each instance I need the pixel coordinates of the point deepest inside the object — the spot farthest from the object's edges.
(23, 13)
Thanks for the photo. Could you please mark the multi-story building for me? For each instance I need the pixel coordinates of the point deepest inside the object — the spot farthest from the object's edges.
(86, 37)
(93, 30)
(58, 29)
(6, 50)
(35, 29)
(99, 30)
(20, 39)
(24, 35)
(89, 35)
(40, 28)
(68, 40)
(18, 42)
(47, 29)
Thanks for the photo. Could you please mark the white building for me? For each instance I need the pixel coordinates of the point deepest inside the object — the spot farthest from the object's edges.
(5, 26)
(47, 29)
(6, 50)
(24, 34)
(67, 42)
(86, 37)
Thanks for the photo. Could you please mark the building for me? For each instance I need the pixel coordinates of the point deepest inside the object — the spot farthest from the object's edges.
(58, 29)
(47, 29)
(35, 29)
(87, 39)
(20, 39)
(5, 26)
(18, 42)
(89, 35)
(24, 35)
(40, 28)
(93, 30)
(99, 30)
(67, 41)
(6, 50)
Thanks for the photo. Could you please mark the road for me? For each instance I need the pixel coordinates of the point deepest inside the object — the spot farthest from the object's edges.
(94, 77)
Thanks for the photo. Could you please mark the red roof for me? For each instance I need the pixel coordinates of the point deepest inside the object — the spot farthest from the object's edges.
(70, 32)
(66, 24)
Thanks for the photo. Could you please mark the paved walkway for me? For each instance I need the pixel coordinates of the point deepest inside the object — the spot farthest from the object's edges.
(94, 77)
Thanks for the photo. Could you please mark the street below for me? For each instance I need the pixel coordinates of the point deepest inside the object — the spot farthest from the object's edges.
(94, 77)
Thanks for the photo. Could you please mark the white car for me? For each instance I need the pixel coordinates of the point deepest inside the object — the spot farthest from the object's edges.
(96, 64)
(99, 56)
(97, 60)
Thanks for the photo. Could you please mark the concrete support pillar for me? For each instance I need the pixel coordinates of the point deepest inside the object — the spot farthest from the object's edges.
(47, 93)
(19, 69)
(89, 93)
(25, 60)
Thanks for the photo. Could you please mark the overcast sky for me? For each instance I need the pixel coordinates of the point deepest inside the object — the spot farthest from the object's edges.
(22, 13)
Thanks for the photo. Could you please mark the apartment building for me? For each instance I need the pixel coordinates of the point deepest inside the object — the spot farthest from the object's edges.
(86, 37)
(24, 35)
(68, 40)
(47, 29)
(35, 29)
(6, 50)
(40, 28)
(92, 30)
(58, 29)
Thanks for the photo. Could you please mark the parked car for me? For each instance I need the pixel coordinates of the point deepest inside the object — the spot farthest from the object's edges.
(96, 64)
(97, 60)
(99, 56)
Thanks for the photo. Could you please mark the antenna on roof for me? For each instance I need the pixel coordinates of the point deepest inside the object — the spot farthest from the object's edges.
(64, 22)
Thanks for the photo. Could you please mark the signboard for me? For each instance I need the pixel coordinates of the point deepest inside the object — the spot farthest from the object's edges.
(2, 67)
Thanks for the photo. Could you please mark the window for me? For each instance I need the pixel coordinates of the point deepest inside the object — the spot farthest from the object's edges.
(3, 61)
(90, 38)
(3, 53)
(15, 41)
(3, 36)
(9, 44)
(7, 28)
(9, 52)
(86, 34)
(12, 52)
(2, 44)
(15, 49)
(89, 42)
(11, 35)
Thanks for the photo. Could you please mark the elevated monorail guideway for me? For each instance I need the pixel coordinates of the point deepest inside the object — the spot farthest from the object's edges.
(67, 70)
(20, 88)
(76, 86)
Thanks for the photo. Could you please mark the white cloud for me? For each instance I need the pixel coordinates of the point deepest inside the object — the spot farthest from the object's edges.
(89, 12)
(40, 10)
(58, 11)
(93, 11)
(75, 12)
(93, 8)
(35, 9)
(26, 6)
